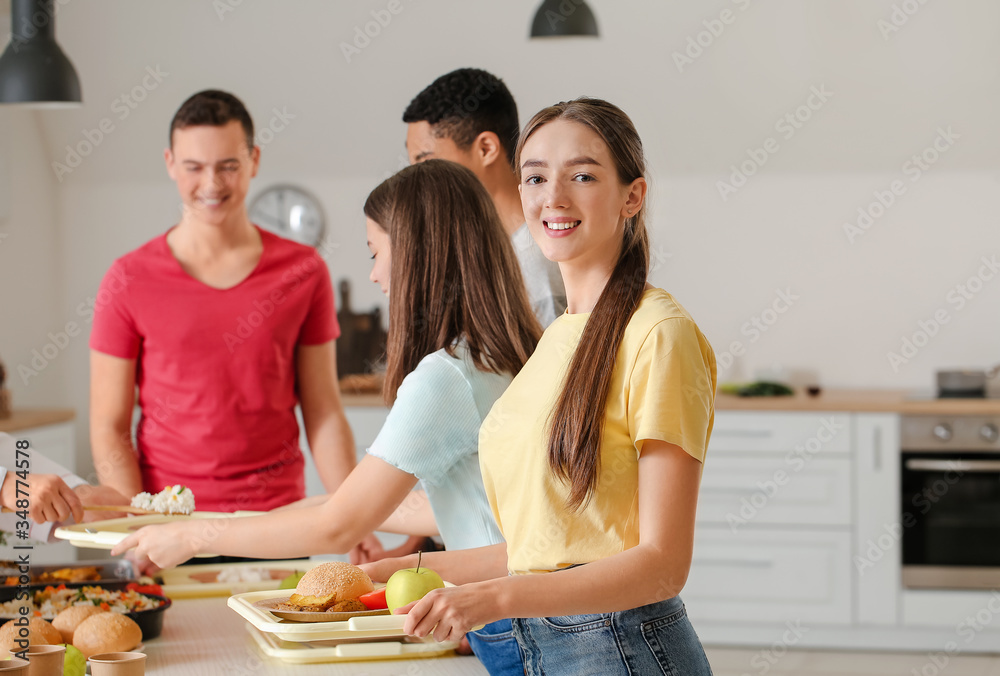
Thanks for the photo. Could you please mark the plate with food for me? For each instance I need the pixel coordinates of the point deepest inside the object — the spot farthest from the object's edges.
(57, 603)
(330, 592)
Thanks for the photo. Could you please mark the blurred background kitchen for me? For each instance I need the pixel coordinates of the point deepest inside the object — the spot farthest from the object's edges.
(824, 173)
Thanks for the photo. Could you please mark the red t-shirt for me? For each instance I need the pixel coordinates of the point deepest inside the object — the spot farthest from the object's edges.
(216, 369)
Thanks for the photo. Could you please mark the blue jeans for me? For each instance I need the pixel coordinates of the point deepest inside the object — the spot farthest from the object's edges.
(496, 648)
(653, 639)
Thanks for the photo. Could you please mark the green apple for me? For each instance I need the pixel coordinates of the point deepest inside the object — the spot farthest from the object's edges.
(291, 581)
(409, 585)
(74, 663)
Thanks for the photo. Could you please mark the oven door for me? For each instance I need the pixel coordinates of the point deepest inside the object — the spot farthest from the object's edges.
(951, 520)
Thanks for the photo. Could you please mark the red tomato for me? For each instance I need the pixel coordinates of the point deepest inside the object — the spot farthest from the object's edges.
(154, 589)
(374, 600)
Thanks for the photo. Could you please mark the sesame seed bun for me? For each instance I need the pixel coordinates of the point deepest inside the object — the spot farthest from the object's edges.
(330, 583)
(107, 633)
(40, 632)
(70, 618)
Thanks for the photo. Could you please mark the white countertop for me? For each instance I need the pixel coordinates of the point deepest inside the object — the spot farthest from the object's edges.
(203, 637)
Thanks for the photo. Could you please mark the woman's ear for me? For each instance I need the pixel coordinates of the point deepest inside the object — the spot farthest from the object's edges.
(635, 197)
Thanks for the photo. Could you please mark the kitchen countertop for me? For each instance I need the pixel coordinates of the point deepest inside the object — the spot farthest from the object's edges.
(204, 637)
(26, 418)
(858, 401)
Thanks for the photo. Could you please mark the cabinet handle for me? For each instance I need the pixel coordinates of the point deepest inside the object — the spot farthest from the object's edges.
(960, 466)
(743, 563)
(877, 453)
(749, 434)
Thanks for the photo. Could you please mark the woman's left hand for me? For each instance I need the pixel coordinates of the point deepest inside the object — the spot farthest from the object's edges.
(449, 613)
(166, 545)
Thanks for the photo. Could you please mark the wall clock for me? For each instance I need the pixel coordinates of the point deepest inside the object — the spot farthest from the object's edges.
(290, 212)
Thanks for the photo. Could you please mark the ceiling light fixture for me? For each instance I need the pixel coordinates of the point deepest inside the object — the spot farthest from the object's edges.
(561, 18)
(34, 71)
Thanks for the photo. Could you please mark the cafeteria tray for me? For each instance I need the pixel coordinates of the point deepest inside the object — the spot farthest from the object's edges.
(376, 626)
(183, 583)
(106, 534)
(297, 652)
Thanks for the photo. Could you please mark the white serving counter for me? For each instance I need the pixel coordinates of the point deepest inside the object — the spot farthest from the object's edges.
(203, 637)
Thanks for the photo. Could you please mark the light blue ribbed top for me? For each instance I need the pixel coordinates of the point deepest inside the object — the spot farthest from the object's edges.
(432, 432)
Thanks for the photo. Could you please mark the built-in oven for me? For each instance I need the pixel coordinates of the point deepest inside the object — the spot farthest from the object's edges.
(950, 501)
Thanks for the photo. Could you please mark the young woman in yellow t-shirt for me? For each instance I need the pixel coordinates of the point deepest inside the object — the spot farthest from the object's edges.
(593, 455)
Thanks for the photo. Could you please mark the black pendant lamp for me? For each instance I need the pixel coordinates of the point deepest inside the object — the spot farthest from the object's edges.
(33, 69)
(563, 18)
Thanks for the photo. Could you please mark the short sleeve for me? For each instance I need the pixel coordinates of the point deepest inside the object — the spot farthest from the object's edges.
(671, 390)
(114, 330)
(320, 325)
(433, 423)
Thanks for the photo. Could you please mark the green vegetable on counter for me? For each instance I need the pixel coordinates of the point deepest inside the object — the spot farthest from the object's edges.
(761, 388)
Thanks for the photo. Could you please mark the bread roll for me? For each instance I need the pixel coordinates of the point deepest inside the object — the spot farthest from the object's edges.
(69, 619)
(106, 633)
(328, 584)
(40, 632)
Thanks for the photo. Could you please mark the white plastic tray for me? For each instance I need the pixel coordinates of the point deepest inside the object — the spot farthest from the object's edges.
(298, 652)
(377, 626)
(106, 534)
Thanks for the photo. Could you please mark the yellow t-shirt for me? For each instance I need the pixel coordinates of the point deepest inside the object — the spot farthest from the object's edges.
(663, 387)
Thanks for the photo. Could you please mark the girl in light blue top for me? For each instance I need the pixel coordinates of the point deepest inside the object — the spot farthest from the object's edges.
(460, 328)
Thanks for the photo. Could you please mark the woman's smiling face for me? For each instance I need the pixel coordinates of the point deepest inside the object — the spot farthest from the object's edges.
(573, 201)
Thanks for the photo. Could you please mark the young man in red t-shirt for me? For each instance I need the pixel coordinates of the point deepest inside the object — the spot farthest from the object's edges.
(224, 328)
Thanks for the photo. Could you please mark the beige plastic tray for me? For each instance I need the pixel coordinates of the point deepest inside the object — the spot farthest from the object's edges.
(372, 626)
(297, 652)
(106, 534)
(178, 583)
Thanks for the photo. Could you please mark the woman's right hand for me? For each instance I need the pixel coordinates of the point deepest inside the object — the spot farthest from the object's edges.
(382, 570)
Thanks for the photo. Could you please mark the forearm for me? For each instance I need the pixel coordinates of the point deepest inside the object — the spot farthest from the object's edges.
(636, 577)
(115, 460)
(333, 451)
(414, 516)
(288, 533)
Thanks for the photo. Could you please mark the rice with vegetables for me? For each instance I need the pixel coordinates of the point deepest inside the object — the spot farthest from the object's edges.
(48, 602)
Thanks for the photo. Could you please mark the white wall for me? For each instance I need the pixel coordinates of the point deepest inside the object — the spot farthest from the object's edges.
(723, 259)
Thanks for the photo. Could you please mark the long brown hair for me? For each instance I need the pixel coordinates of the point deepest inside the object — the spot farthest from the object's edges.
(578, 418)
(454, 274)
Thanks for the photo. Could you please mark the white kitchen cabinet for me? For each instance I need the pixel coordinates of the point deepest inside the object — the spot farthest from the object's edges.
(877, 557)
(737, 490)
(757, 575)
(774, 532)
